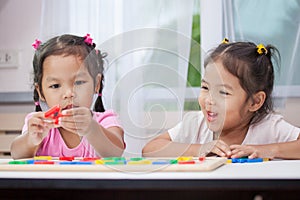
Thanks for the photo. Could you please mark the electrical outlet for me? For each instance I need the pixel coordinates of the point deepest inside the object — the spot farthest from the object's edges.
(9, 58)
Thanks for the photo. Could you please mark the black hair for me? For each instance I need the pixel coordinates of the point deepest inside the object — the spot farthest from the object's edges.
(252, 67)
(69, 45)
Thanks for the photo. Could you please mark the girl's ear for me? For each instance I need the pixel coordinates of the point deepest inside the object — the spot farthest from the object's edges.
(258, 100)
(39, 92)
(98, 83)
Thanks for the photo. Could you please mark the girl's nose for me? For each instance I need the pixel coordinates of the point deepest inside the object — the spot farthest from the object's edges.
(69, 93)
(209, 100)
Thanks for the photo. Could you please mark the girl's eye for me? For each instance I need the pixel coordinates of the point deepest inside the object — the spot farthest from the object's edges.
(54, 86)
(79, 82)
(224, 93)
(203, 87)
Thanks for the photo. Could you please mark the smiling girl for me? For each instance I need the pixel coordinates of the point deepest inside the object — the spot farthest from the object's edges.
(68, 72)
(236, 117)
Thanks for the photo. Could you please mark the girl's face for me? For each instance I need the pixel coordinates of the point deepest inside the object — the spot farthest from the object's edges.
(67, 82)
(223, 100)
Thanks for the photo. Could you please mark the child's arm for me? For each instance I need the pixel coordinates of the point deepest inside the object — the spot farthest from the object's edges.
(106, 141)
(21, 147)
(163, 146)
(284, 150)
(26, 145)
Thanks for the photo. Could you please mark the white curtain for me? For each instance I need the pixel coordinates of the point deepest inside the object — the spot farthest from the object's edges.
(148, 45)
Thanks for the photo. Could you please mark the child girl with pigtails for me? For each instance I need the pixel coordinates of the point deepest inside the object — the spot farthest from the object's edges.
(236, 117)
(68, 73)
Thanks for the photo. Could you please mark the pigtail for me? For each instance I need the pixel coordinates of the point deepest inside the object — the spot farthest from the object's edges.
(99, 107)
(274, 55)
(37, 70)
(266, 73)
(36, 101)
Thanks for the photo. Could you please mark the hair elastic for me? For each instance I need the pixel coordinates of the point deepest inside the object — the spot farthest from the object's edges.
(37, 103)
(36, 44)
(99, 94)
(88, 40)
(261, 49)
(225, 41)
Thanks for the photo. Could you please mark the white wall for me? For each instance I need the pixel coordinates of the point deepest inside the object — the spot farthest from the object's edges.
(291, 110)
(19, 27)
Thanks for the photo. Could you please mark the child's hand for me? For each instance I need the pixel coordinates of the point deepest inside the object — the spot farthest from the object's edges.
(221, 149)
(252, 151)
(218, 147)
(76, 120)
(38, 128)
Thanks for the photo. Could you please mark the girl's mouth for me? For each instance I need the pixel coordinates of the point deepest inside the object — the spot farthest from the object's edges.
(211, 116)
(68, 107)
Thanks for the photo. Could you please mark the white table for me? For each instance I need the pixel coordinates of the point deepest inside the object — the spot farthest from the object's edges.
(279, 179)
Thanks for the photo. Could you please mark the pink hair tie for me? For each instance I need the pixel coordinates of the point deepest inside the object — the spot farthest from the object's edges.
(88, 40)
(37, 103)
(36, 44)
(99, 95)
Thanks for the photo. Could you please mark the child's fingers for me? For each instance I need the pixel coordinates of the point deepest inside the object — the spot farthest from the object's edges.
(35, 121)
(75, 119)
(241, 151)
(219, 151)
(38, 119)
(75, 123)
(40, 128)
(235, 149)
(234, 146)
(253, 155)
(79, 128)
(38, 125)
(224, 147)
(77, 111)
(238, 154)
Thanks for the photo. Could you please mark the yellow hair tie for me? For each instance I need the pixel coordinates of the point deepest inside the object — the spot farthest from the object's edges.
(225, 41)
(261, 49)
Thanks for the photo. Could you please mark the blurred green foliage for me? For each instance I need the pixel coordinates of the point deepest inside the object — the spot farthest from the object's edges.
(194, 68)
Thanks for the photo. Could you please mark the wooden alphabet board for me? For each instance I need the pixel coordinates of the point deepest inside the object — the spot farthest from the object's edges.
(114, 164)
